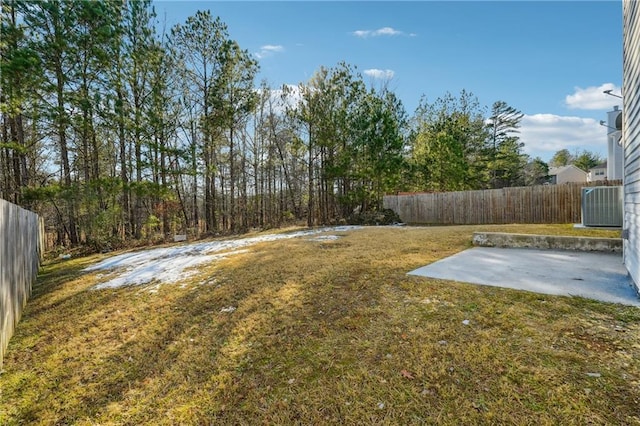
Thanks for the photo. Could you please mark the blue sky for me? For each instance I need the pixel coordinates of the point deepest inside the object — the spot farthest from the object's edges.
(550, 59)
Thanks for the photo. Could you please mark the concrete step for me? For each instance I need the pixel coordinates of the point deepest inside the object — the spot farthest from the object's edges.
(558, 242)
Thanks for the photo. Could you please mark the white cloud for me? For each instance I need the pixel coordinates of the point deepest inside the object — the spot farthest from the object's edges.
(384, 31)
(379, 74)
(288, 96)
(545, 134)
(593, 97)
(269, 50)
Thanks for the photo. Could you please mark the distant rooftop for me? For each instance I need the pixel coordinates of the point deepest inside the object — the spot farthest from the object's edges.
(558, 170)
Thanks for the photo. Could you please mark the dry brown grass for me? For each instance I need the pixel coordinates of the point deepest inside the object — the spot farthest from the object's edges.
(324, 332)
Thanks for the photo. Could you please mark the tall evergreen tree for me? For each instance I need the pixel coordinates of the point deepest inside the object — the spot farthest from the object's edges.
(448, 140)
(95, 27)
(139, 42)
(162, 116)
(199, 42)
(18, 75)
(505, 159)
(54, 40)
(323, 112)
(377, 152)
(233, 99)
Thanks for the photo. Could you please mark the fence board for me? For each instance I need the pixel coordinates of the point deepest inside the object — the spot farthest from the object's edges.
(21, 243)
(531, 204)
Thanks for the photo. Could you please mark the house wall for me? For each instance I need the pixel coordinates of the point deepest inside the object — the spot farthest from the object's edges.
(631, 135)
(615, 157)
(571, 174)
(598, 173)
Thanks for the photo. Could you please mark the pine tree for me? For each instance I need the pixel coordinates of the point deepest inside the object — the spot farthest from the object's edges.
(447, 144)
(505, 159)
(199, 42)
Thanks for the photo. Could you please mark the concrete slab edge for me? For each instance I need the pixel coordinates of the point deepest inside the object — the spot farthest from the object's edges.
(557, 242)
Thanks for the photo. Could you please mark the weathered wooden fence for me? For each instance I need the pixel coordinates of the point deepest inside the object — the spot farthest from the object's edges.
(21, 240)
(531, 204)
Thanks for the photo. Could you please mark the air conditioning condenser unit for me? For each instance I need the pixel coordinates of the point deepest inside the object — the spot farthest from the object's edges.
(602, 206)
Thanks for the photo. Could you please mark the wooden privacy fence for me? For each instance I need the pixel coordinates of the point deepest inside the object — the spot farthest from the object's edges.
(531, 204)
(21, 242)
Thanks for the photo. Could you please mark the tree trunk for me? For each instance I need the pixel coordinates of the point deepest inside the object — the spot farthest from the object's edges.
(310, 204)
(126, 194)
(232, 183)
(61, 127)
(138, 205)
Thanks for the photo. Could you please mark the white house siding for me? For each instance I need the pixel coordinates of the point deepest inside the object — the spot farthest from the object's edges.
(631, 135)
(599, 172)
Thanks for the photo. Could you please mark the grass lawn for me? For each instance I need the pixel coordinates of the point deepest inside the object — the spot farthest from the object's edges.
(330, 331)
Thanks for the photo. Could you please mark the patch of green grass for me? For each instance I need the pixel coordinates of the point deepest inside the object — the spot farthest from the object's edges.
(329, 332)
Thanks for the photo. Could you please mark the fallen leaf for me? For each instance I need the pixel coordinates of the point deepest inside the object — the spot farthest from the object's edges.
(407, 374)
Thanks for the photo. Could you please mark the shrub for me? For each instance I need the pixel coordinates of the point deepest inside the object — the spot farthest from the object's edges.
(374, 217)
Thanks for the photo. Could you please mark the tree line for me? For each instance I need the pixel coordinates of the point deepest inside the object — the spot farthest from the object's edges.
(116, 129)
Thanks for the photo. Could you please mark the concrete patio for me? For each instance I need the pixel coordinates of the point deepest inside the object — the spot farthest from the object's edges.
(594, 275)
